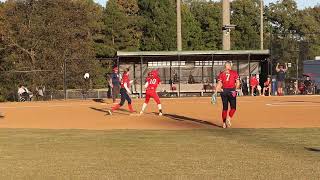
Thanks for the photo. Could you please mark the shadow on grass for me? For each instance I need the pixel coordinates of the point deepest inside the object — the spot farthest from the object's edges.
(312, 149)
(184, 118)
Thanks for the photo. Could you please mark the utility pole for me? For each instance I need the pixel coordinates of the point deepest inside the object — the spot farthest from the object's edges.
(179, 36)
(261, 24)
(226, 22)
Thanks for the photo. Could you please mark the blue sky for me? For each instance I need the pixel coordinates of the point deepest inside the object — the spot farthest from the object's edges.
(301, 3)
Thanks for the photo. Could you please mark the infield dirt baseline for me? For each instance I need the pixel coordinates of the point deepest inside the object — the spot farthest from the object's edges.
(276, 101)
(179, 114)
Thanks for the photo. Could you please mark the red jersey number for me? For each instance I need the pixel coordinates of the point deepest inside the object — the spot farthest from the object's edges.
(228, 79)
(228, 76)
(153, 83)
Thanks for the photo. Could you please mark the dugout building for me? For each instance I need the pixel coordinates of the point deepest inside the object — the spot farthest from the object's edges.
(191, 73)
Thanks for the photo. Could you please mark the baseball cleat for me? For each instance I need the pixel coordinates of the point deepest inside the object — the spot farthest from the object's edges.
(109, 112)
(224, 125)
(228, 122)
(160, 114)
(141, 112)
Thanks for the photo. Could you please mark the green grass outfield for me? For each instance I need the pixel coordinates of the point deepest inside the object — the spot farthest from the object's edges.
(137, 154)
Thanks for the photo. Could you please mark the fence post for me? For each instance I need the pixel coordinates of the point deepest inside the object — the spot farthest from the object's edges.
(249, 63)
(213, 76)
(65, 78)
(141, 78)
(297, 81)
(179, 75)
(297, 62)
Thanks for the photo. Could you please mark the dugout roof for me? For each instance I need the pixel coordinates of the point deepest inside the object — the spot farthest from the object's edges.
(219, 55)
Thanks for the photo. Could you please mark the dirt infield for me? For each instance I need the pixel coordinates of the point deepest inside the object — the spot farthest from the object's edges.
(184, 113)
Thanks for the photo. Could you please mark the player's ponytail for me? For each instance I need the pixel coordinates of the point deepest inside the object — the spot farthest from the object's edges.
(126, 70)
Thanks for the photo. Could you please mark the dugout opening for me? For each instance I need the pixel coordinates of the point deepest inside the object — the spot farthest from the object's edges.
(191, 73)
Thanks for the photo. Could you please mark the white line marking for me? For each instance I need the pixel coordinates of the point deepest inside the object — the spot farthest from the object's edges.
(50, 106)
(21, 107)
(134, 114)
(294, 104)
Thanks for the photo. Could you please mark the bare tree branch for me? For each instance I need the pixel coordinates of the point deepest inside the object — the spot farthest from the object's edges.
(21, 48)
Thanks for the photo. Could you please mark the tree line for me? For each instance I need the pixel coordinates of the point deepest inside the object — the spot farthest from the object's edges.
(39, 37)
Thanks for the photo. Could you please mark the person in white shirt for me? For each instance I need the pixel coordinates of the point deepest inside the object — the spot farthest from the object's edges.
(24, 92)
(40, 92)
(21, 90)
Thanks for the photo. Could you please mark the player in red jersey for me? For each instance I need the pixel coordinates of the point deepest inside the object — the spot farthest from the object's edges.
(228, 83)
(151, 86)
(254, 83)
(267, 87)
(124, 92)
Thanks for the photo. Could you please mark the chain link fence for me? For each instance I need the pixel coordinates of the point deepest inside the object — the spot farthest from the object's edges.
(185, 76)
(188, 77)
(68, 82)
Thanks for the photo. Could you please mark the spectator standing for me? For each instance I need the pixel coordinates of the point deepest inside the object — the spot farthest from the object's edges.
(308, 85)
(281, 76)
(40, 93)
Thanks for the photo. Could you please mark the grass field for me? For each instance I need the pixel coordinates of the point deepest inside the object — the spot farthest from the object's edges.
(270, 138)
(141, 154)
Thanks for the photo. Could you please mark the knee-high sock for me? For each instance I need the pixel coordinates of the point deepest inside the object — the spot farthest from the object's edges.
(224, 114)
(160, 108)
(231, 113)
(130, 108)
(144, 107)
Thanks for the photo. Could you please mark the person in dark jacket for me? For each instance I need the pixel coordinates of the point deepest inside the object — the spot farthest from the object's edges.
(115, 84)
(308, 85)
(281, 76)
